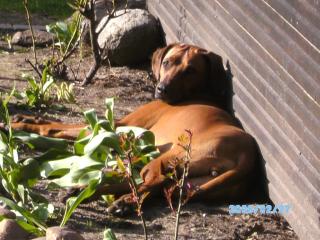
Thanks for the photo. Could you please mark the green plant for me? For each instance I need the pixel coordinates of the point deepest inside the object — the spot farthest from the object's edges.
(18, 176)
(38, 92)
(64, 92)
(108, 155)
(99, 158)
(67, 33)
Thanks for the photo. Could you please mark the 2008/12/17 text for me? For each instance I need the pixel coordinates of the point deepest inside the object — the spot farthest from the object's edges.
(259, 208)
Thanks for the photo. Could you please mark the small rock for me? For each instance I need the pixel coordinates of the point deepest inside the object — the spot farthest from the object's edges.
(42, 38)
(130, 37)
(62, 233)
(7, 213)
(39, 238)
(10, 230)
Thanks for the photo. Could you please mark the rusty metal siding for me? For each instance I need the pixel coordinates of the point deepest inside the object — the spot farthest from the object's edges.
(273, 50)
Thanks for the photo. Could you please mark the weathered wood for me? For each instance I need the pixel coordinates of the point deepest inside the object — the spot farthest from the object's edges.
(272, 48)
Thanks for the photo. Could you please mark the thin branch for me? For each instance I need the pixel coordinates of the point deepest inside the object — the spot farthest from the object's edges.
(185, 173)
(25, 3)
(34, 67)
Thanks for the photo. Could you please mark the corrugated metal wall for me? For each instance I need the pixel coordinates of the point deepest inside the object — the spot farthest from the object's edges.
(273, 49)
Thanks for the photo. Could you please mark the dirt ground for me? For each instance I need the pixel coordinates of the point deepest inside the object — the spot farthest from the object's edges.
(133, 87)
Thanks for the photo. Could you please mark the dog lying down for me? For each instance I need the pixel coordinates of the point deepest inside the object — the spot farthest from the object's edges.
(190, 95)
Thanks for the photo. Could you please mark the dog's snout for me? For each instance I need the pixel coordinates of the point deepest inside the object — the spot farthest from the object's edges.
(161, 88)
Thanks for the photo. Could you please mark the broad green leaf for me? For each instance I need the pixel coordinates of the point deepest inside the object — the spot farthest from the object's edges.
(32, 82)
(76, 170)
(109, 112)
(58, 168)
(81, 143)
(30, 170)
(73, 202)
(44, 75)
(52, 154)
(91, 117)
(48, 83)
(43, 211)
(89, 176)
(106, 138)
(40, 142)
(30, 228)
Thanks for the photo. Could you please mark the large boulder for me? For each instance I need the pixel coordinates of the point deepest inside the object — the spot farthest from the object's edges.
(130, 37)
(24, 38)
(104, 7)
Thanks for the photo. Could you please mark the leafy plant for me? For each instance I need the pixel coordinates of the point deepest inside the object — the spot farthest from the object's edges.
(108, 155)
(64, 92)
(18, 176)
(100, 158)
(67, 33)
(38, 92)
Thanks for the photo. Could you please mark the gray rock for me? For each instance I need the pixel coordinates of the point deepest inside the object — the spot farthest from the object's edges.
(62, 233)
(10, 230)
(130, 37)
(42, 38)
(7, 213)
(104, 7)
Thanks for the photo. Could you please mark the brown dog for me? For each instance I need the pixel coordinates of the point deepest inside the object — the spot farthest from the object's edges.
(191, 92)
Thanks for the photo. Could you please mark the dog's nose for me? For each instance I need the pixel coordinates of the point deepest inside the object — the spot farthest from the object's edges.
(161, 88)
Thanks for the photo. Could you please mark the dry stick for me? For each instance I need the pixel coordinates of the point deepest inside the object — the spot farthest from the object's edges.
(34, 67)
(134, 187)
(187, 158)
(89, 13)
(25, 3)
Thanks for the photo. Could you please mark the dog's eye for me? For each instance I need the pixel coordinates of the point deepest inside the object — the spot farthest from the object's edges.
(165, 63)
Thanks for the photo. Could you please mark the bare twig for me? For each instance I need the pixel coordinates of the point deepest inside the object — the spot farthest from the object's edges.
(89, 12)
(137, 197)
(25, 3)
(35, 68)
(186, 162)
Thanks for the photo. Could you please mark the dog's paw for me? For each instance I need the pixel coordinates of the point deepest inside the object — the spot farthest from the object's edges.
(122, 207)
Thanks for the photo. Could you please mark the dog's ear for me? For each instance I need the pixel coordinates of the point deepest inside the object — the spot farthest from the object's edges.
(217, 77)
(157, 58)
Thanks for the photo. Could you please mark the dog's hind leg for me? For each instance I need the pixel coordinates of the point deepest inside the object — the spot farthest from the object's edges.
(230, 185)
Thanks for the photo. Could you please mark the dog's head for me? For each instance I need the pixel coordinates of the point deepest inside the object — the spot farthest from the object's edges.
(186, 72)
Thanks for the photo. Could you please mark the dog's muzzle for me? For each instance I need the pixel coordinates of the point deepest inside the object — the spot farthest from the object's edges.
(161, 91)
